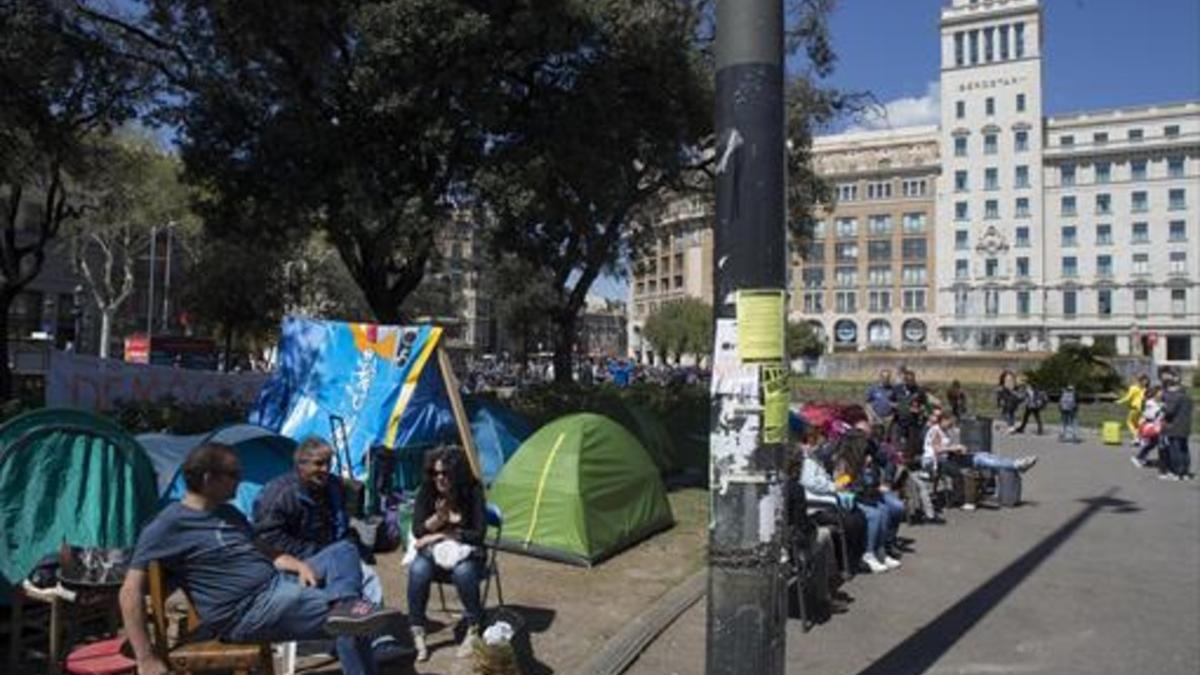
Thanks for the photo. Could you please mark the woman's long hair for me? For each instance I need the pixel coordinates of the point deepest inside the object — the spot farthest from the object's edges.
(462, 481)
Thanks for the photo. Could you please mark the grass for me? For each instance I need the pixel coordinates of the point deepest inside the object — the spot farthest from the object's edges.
(981, 400)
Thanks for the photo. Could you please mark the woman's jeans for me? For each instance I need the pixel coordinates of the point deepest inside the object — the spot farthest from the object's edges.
(883, 521)
(988, 461)
(1070, 425)
(466, 577)
(287, 610)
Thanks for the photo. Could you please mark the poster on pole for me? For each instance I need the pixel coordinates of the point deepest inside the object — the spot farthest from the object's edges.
(761, 325)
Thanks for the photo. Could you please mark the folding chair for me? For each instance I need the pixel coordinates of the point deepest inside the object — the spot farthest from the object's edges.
(491, 545)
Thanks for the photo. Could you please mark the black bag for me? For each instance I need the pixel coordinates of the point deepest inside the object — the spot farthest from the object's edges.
(972, 486)
(1008, 488)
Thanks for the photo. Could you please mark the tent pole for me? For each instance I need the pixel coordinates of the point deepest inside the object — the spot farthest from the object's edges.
(460, 413)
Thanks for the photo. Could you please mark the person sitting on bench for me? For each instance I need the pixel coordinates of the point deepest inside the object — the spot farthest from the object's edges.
(243, 592)
(941, 453)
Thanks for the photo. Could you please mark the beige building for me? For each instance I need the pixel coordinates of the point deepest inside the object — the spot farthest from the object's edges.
(602, 331)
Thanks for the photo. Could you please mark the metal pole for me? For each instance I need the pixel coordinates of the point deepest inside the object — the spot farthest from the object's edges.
(167, 280)
(150, 290)
(747, 607)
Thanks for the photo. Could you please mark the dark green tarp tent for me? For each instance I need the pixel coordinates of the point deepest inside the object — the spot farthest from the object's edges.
(68, 475)
(579, 490)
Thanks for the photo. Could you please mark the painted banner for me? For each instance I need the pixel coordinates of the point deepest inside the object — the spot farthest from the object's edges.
(335, 376)
(93, 383)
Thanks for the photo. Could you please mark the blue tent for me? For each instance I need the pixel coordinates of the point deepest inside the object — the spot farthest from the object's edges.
(498, 432)
(263, 454)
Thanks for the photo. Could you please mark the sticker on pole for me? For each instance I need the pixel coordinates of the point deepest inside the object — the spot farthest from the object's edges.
(776, 396)
(761, 325)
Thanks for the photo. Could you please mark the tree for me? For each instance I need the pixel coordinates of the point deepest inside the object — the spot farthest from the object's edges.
(802, 340)
(681, 327)
(64, 84)
(133, 190)
(316, 283)
(523, 296)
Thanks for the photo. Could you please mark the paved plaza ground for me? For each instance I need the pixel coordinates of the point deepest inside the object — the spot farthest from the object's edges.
(1098, 572)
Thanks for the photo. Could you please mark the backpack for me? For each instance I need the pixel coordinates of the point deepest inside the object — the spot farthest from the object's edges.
(1037, 400)
(1067, 402)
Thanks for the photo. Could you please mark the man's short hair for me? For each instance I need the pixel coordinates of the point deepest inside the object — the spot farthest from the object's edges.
(204, 459)
(311, 446)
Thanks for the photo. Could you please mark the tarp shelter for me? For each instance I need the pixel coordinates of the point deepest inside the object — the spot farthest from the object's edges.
(69, 476)
(579, 490)
(498, 432)
(262, 453)
(645, 426)
(360, 385)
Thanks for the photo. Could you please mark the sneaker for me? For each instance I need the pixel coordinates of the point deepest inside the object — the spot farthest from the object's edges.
(388, 649)
(1188, 476)
(470, 640)
(1137, 462)
(968, 506)
(418, 636)
(1026, 463)
(1167, 476)
(359, 617)
(891, 563)
(873, 564)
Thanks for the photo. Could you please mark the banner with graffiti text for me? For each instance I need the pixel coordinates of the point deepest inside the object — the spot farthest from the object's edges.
(93, 383)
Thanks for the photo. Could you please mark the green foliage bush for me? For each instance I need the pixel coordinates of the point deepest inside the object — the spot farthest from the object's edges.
(1079, 365)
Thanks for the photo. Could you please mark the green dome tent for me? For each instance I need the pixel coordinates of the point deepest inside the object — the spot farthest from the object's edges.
(68, 475)
(645, 426)
(579, 490)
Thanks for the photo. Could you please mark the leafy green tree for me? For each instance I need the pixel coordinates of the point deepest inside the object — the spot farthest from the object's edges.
(65, 82)
(1083, 366)
(802, 340)
(681, 327)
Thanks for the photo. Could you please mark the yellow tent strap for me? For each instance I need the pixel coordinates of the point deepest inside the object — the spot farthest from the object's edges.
(537, 501)
(409, 386)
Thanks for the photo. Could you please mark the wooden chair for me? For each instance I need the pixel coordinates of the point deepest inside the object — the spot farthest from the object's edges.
(210, 655)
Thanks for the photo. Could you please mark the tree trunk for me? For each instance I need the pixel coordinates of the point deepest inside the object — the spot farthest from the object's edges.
(564, 343)
(106, 319)
(6, 378)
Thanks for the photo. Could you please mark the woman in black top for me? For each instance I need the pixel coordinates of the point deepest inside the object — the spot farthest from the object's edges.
(449, 508)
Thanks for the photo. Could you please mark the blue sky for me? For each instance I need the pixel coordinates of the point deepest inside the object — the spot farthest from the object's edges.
(1098, 53)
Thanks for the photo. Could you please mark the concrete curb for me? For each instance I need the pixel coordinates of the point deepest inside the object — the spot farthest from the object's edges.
(622, 649)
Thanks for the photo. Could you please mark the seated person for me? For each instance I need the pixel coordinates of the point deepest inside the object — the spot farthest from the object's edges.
(303, 512)
(941, 453)
(860, 484)
(449, 508)
(821, 495)
(240, 590)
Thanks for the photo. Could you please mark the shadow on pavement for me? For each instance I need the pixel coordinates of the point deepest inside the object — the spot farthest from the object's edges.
(926, 646)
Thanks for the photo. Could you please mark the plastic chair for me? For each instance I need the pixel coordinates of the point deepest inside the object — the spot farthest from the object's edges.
(491, 545)
(100, 658)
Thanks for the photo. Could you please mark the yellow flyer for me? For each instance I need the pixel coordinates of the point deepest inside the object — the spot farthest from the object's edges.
(776, 396)
(761, 323)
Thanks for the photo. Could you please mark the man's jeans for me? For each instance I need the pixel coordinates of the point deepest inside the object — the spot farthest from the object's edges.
(287, 610)
(1179, 456)
(1070, 426)
(466, 576)
(990, 462)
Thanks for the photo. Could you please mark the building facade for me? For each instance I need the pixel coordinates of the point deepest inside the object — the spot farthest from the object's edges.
(1038, 230)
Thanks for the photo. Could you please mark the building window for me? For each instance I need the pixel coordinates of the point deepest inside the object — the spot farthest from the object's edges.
(1175, 167)
(1070, 266)
(1171, 130)
(819, 229)
(958, 49)
(1176, 199)
(1141, 301)
(960, 240)
(879, 224)
(1066, 175)
(962, 299)
(991, 209)
(991, 179)
(847, 227)
(815, 253)
(914, 300)
(814, 303)
(845, 253)
(991, 268)
(879, 190)
(960, 211)
(1104, 302)
(1019, 40)
(1104, 235)
(1023, 268)
(1022, 237)
(1137, 169)
(1177, 231)
(1179, 348)
(960, 181)
(1068, 205)
(1140, 204)
(973, 44)
(914, 222)
(845, 332)
(1103, 172)
(989, 106)
(1020, 102)
(879, 275)
(914, 249)
(879, 250)
(960, 109)
(991, 302)
(914, 188)
(1104, 266)
(813, 277)
(989, 44)
(879, 301)
(847, 302)
(1141, 264)
(1141, 233)
(1135, 134)
(1178, 302)
(1004, 42)
(1023, 303)
(1022, 210)
(989, 144)
(1177, 262)
(1100, 137)
(1066, 141)
(960, 146)
(847, 192)
(1021, 141)
(960, 269)
(912, 275)
(1069, 237)
(1069, 303)
(846, 277)
(1022, 177)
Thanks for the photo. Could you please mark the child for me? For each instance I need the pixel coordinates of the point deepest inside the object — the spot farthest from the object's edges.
(1149, 425)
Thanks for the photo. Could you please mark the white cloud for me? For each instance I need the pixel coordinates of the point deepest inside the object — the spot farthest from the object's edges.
(907, 111)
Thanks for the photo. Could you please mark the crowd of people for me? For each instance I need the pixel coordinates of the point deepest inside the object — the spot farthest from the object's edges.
(506, 373)
(298, 571)
(1159, 421)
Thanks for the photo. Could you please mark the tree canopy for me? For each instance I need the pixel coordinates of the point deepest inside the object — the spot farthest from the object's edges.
(681, 327)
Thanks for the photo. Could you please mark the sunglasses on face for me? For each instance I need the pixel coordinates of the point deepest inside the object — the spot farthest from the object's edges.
(323, 461)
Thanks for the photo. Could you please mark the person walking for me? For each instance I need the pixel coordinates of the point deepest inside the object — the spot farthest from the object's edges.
(1035, 400)
(1007, 398)
(1177, 424)
(1135, 397)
